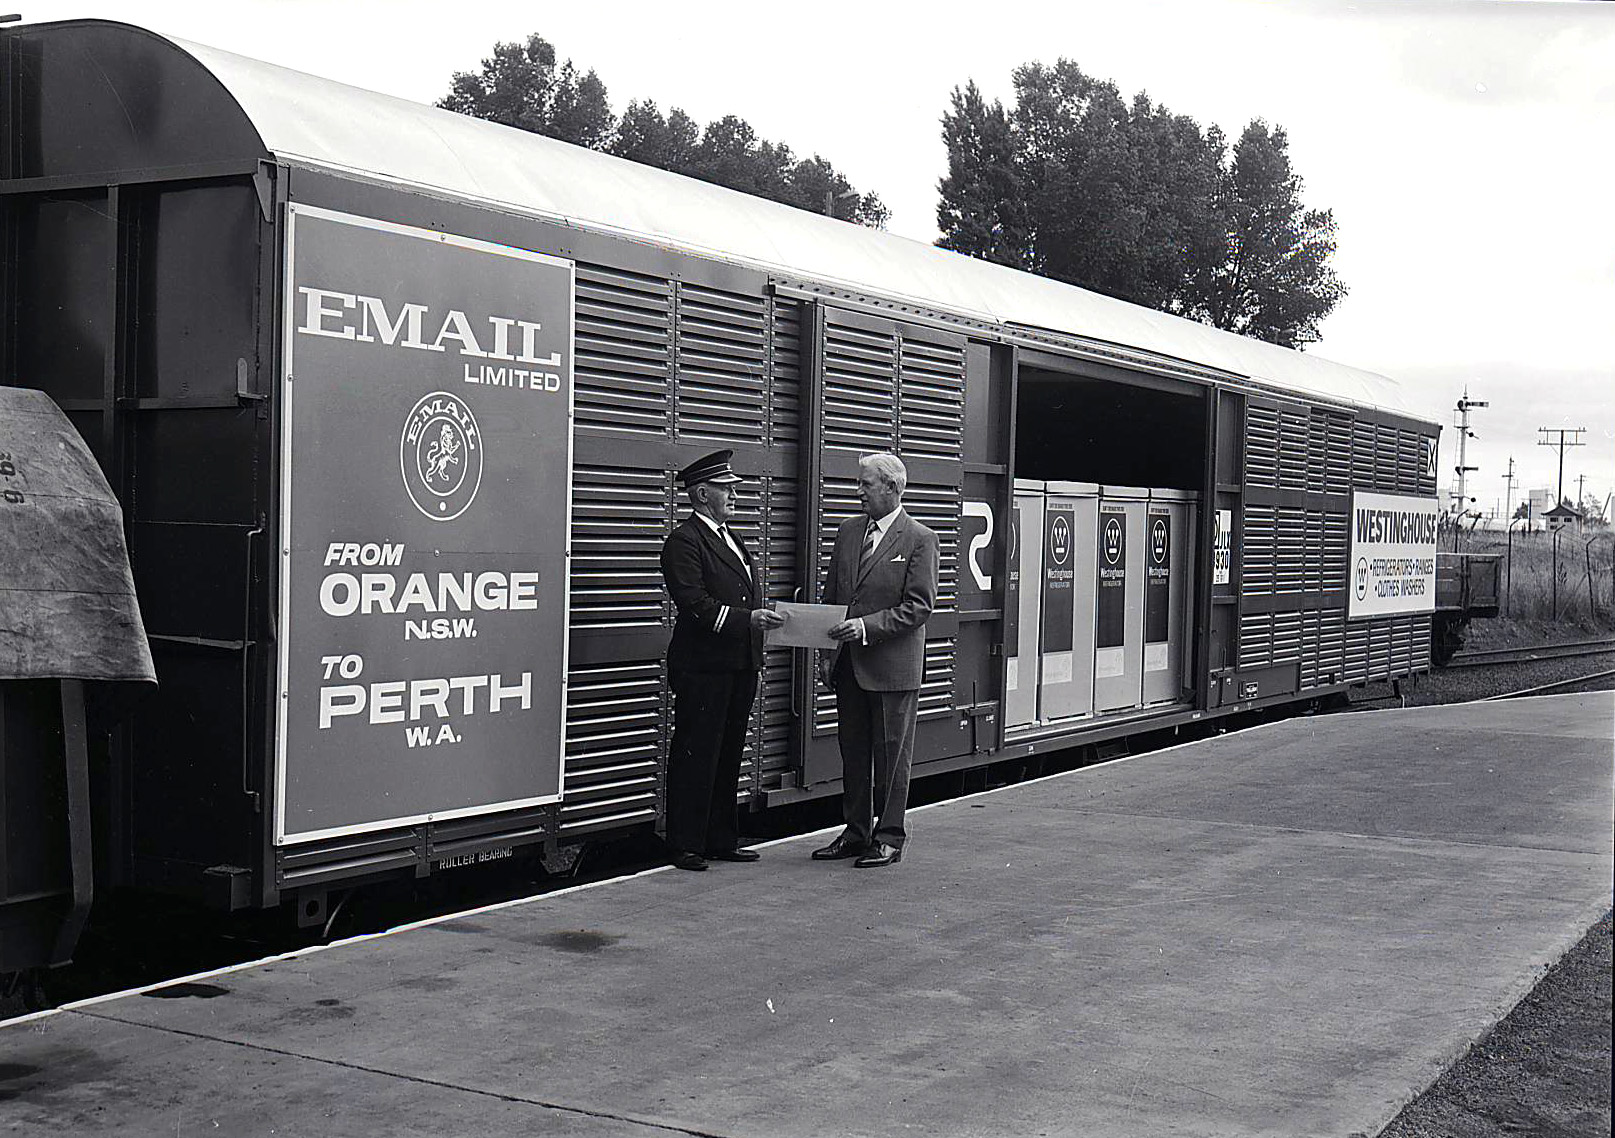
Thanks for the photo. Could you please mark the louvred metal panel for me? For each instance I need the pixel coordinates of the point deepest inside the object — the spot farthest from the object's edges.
(624, 351)
(720, 365)
(1261, 446)
(768, 753)
(860, 388)
(931, 398)
(616, 719)
(620, 518)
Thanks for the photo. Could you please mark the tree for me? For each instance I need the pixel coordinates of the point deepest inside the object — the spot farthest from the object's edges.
(1080, 177)
(644, 135)
(816, 185)
(1275, 282)
(579, 111)
(520, 85)
(982, 210)
(731, 154)
(1181, 230)
(1134, 201)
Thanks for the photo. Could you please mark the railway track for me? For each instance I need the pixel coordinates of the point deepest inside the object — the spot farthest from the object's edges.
(1499, 674)
(1557, 685)
(1493, 657)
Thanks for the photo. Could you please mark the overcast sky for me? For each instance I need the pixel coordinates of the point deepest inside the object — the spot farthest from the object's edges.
(1467, 149)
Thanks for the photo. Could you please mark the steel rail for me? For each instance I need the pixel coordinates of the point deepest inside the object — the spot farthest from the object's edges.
(1540, 688)
(1483, 657)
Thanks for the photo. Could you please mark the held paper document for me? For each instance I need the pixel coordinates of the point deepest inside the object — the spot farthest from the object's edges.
(806, 626)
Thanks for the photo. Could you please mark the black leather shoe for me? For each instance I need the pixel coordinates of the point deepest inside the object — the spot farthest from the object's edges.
(684, 859)
(734, 855)
(844, 846)
(879, 854)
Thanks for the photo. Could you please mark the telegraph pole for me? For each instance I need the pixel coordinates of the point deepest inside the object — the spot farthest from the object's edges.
(831, 198)
(1508, 492)
(1564, 440)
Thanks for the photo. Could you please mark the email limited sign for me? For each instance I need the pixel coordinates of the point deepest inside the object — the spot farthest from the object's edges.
(426, 481)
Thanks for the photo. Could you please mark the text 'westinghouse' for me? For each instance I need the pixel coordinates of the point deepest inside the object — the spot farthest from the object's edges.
(1402, 526)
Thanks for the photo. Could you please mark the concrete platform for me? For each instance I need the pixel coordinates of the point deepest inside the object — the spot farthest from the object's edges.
(1289, 931)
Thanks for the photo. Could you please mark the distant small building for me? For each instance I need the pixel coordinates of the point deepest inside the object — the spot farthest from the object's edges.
(1562, 517)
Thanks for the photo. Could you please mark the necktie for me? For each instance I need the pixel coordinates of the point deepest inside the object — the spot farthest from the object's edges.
(723, 532)
(868, 550)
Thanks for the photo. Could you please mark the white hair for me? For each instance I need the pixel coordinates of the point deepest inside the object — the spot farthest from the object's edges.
(889, 467)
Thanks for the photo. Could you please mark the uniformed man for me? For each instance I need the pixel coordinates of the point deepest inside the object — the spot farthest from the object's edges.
(712, 665)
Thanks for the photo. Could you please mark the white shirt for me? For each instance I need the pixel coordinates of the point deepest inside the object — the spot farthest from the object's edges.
(723, 532)
(884, 524)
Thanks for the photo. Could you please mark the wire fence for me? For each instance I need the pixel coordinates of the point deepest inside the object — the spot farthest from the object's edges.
(1563, 576)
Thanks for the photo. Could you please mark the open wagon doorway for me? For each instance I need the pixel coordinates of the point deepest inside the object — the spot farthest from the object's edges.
(1110, 468)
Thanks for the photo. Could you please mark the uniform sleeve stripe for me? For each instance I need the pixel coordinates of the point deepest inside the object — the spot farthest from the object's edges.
(723, 615)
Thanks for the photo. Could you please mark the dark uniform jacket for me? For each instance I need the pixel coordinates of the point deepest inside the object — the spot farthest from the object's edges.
(714, 594)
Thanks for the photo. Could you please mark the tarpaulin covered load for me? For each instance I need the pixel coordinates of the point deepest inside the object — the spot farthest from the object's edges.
(67, 598)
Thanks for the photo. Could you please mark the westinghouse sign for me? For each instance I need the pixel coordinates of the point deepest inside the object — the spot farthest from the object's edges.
(1392, 564)
(426, 489)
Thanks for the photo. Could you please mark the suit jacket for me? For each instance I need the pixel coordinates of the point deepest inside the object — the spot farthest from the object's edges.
(894, 595)
(714, 594)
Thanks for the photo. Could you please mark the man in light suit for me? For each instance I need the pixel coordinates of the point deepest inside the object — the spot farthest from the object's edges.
(712, 665)
(883, 568)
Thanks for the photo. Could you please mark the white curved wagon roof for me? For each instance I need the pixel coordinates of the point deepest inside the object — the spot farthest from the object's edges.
(308, 119)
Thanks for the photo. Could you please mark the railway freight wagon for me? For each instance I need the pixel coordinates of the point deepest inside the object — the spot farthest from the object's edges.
(392, 398)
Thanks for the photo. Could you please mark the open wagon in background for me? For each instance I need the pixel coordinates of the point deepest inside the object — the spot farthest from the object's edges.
(392, 397)
(1468, 585)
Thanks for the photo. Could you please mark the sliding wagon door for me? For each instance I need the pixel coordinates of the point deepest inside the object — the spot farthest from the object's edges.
(882, 385)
